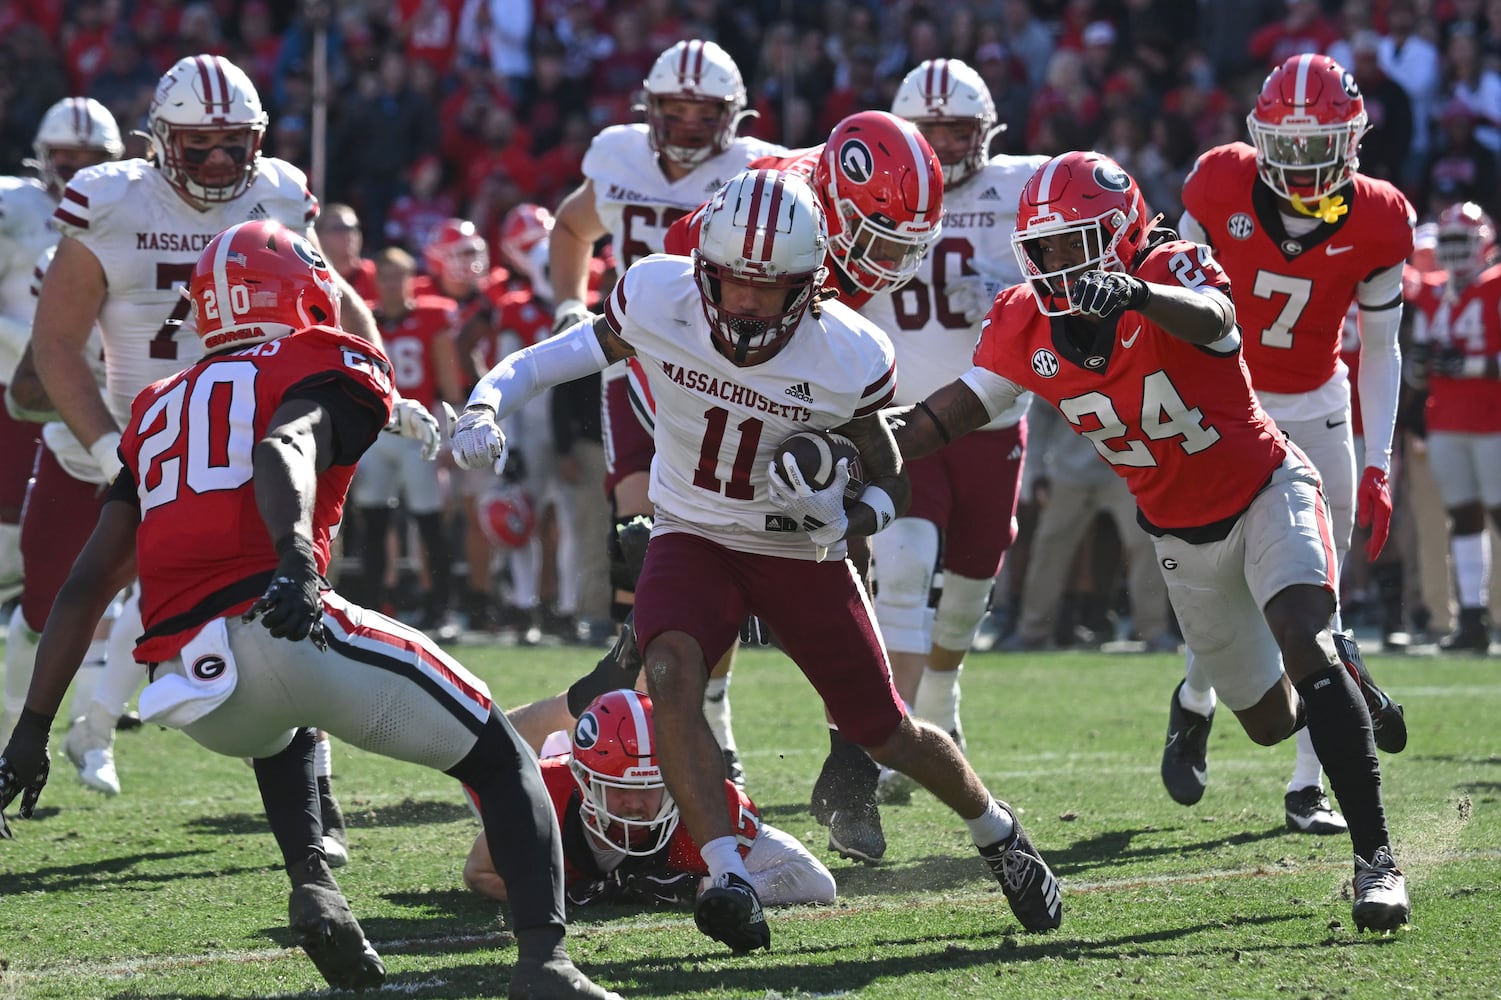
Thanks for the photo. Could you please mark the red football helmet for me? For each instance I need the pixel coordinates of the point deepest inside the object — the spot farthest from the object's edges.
(457, 252)
(1306, 127)
(1466, 239)
(507, 517)
(1087, 196)
(523, 227)
(882, 190)
(704, 73)
(761, 229)
(615, 758)
(259, 281)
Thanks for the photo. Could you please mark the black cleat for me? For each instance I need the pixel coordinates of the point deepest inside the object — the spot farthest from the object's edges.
(556, 979)
(1185, 765)
(856, 834)
(1471, 635)
(1388, 723)
(1381, 902)
(1026, 879)
(1309, 811)
(325, 928)
(729, 911)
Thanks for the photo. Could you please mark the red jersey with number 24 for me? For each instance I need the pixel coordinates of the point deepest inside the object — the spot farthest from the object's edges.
(188, 446)
(1178, 421)
(1291, 295)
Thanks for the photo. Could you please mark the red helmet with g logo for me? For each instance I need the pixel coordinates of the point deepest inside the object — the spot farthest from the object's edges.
(1306, 127)
(626, 805)
(882, 190)
(456, 251)
(258, 281)
(1084, 196)
(507, 517)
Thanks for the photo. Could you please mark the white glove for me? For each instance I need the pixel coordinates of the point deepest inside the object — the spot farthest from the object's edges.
(106, 455)
(410, 419)
(567, 313)
(477, 440)
(820, 512)
(971, 296)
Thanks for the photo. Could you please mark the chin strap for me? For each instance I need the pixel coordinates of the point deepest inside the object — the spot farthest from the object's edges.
(1330, 208)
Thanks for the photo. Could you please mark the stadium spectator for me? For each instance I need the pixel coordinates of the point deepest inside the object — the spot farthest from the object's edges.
(343, 243)
(1383, 150)
(1459, 169)
(1302, 29)
(1413, 61)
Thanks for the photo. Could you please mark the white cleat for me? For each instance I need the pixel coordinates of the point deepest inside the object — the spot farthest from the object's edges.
(335, 854)
(94, 758)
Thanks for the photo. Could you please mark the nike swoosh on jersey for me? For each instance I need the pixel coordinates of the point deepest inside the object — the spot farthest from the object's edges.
(1335, 251)
(1331, 424)
(1127, 342)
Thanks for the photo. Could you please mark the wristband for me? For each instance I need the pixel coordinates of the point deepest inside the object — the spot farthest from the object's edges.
(1474, 367)
(879, 501)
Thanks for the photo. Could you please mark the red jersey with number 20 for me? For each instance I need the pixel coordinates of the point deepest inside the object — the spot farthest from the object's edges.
(188, 446)
(1179, 422)
(1291, 295)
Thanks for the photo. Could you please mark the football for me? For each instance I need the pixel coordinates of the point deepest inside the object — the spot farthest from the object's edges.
(816, 454)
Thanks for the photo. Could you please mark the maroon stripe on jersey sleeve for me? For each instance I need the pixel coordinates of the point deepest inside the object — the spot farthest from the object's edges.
(76, 196)
(65, 216)
(884, 388)
(614, 314)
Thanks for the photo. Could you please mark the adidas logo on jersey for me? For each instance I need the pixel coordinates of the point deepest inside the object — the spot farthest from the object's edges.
(801, 391)
(989, 194)
(258, 212)
(1016, 453)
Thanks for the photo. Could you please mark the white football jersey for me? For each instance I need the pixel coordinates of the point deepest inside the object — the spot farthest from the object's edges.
(147, 239)
(934, 343)
(718, 425)
(634, 198)
(72, 456)
(26, 230)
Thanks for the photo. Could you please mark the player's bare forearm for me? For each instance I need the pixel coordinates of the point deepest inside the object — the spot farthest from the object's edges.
(71, 295)
(297, 446)
(883, 470)
(948, 413)
(571, 243)
(106, 564)
(1199, 317)
(26, 396)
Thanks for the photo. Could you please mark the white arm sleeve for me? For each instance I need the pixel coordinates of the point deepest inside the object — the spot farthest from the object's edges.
(1190, 229)
(997, 392)
(784, 872)
(1380, 377)
(571, 354)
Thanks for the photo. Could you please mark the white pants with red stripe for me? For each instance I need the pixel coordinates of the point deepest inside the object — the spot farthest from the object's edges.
(380, 685)
(1218, 589)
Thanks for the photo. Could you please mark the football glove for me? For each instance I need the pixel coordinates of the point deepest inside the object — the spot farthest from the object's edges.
(1106, 294)
(478, 440)
(411, 419)
(292, 606)
(1373, 505)
(24, 767)
(106, 455)
(567, 313)
(609, 889)
(820, 512)
(662, 887)
(971, 296)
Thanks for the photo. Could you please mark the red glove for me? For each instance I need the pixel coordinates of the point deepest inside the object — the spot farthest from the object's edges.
(1373, 509)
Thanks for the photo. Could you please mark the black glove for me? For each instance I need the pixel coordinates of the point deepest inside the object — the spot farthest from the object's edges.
(1106, 294)
(24, 767)
(755, 632)
(1448, 362)
(604, 890)
(662, 887)
(291, 607)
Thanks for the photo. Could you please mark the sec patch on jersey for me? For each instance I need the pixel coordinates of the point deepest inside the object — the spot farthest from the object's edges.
(816, 454)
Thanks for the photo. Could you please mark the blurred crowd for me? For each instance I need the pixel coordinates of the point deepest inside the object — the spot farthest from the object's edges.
(467, 107)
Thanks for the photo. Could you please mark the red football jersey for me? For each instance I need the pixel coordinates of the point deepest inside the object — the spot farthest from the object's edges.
(682, 853)
(1470, 321)
(188, 448)
(1291, 295)
(682, 235)
(523, 314)
(362, 279)
(409, 344)
(1177, 421)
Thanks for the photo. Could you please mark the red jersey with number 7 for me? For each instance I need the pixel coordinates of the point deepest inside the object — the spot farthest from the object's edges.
(1292, 294)
(202, 550)
(1178, 421)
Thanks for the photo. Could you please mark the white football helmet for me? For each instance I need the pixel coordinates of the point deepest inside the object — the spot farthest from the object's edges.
(694, 71)
(763, 228)
(73, 123)
(206, 93)
(949, 91)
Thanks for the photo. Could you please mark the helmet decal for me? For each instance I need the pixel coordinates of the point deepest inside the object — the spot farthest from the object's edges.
(855, 161)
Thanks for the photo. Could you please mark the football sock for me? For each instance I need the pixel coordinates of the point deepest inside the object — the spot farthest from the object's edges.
(1307, 771)
(1472, 569)
(717, 711)
(722, 856)
(323, 756)
(990, 827)
(290, 796)
(1197, 692)
(937, 698)
(122, 674)
(1341, 729)
(518, 819)
(435, 540)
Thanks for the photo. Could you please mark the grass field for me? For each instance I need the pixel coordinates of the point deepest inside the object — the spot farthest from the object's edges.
(175, 889)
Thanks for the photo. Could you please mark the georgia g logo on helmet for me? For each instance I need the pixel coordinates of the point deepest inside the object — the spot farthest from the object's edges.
(856, 161)
(1111, 177)
(586, 733)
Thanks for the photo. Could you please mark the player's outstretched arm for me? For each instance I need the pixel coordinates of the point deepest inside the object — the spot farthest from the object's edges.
(1199, 316)
(948, 413)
